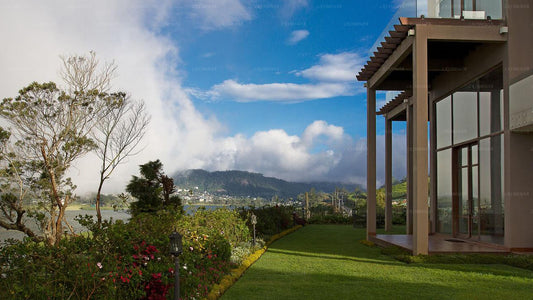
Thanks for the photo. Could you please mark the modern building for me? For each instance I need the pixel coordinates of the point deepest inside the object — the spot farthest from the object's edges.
(463, 71)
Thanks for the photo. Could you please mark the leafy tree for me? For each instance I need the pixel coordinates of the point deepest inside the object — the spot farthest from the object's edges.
(153, 190)
(49, 129)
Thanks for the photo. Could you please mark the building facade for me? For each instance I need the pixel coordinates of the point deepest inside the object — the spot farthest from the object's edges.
(464, 73)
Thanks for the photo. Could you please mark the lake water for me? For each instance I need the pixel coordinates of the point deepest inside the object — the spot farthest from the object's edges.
(106, 215)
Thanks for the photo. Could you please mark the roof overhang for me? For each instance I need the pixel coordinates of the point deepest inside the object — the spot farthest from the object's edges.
(449, 42)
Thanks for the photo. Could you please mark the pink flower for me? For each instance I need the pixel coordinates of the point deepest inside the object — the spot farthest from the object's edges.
(99, 265)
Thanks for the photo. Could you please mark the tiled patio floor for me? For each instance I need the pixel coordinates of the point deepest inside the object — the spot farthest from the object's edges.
(439, 244)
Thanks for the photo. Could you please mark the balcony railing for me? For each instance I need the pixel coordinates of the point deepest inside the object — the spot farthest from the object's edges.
(468, 9)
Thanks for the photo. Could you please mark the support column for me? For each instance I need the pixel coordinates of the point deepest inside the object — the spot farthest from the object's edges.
(388, 174)
(433, 168)
(409, 136)
(371, 163)
(420, 138)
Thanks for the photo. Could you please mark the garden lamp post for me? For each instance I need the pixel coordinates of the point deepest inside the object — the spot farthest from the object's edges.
(254, 221)
(176, 248)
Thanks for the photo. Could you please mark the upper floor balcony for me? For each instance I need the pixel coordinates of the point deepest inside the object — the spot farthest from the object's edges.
(444, 9)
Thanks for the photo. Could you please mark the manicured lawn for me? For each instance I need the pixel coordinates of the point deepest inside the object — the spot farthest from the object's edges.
(328, 262)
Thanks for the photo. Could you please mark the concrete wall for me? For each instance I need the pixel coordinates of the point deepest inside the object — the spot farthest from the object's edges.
(519, 146)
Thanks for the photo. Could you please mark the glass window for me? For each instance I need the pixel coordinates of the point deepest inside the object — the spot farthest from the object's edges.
(475, 200)
(445, 9)
(444, 191)
(490, 116)
(492, 8)
(468, 5)
(501, 110)
(491, 201)
(484, 113)
(474, 154)
(457, 9)
(464, 116)
(444, 122)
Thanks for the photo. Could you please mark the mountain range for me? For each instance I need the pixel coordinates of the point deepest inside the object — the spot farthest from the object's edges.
(247, 184)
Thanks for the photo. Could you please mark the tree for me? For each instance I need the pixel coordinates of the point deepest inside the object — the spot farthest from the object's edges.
(120, 130)
(153, 190)
(49, 129)
(117, 136)
(15, 177)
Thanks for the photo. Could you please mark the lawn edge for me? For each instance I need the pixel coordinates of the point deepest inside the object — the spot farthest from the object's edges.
(227, 281)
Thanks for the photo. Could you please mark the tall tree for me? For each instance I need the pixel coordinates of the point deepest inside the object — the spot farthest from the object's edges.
(120, 130)
(153, 190)
(118, 136)
(51, 128)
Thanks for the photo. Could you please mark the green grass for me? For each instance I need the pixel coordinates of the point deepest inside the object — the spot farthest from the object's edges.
(328, 262)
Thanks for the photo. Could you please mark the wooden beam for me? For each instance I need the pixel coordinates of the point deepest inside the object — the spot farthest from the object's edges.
(396, 111)
(394, 59)
(488, 33)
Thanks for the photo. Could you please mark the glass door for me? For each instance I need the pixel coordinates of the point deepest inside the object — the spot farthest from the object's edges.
(466, 203)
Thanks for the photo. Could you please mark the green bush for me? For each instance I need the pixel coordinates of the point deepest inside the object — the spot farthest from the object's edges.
(331, 219)
(125, 260)
(270, 219)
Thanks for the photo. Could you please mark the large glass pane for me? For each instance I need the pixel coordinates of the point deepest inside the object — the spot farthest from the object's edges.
(464, 116)
(500, 113)
(475, 200)
(484, 113)
(490, 116)
(491, 201)
(474, 154)
(445, 8)
(444, 122)
(468, 5)
(463, 157)
(492, 8)
(456, 9)
(444, 191)
(464, 205)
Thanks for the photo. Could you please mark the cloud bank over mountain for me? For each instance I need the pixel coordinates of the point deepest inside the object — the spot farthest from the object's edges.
(149, 68)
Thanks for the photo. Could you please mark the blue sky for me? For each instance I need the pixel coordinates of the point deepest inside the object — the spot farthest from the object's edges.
(262, 86)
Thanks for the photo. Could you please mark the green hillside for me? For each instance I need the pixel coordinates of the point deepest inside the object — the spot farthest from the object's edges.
(243, 184)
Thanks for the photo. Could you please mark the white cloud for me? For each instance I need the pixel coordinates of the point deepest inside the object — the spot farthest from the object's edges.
(333, 76)
(297, 36)
(285, 92)
(334, 67)
(179, 135)
(218, 14)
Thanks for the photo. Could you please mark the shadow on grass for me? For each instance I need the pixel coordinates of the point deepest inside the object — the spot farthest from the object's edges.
(341, 242)
(376, 260)
(263, 283)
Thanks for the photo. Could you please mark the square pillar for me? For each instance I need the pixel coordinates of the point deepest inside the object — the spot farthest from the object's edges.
(388, 174)
(433, 168)
(371, 163)
(420, 139)
(409, 141)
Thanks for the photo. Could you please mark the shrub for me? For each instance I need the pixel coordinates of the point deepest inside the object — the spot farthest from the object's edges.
(125, 260)
(270, 219)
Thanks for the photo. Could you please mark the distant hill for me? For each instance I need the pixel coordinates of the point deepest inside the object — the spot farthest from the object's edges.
(244, 184)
